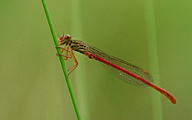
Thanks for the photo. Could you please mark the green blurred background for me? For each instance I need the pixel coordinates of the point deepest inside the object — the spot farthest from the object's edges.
(32, 86)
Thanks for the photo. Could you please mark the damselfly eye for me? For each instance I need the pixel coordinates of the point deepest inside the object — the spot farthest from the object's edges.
(61, 38)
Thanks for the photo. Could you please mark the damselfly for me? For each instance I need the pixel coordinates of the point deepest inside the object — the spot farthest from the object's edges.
(127, 72)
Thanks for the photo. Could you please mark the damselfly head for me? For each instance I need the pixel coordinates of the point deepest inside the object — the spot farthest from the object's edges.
(64, 39)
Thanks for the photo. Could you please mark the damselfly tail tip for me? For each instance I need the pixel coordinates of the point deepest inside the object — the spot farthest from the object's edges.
(173, 101)
(170, 97)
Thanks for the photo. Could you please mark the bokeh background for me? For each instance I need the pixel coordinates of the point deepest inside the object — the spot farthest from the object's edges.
(32, 86)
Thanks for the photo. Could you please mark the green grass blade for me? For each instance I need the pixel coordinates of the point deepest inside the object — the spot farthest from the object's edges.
(61, 60)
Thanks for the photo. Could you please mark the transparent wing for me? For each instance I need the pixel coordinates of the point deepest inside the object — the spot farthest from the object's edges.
(123, 76)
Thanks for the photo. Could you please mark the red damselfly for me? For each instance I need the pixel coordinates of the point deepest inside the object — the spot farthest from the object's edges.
(127, 72)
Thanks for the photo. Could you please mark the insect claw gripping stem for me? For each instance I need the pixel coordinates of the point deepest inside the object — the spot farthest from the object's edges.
(65, 57)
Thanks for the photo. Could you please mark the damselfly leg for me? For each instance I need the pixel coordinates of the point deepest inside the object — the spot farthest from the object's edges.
(65, 57)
